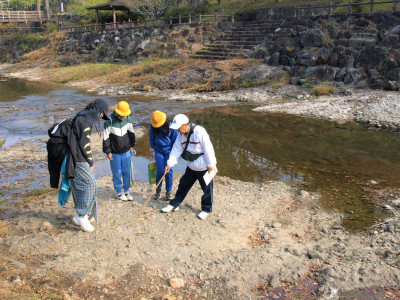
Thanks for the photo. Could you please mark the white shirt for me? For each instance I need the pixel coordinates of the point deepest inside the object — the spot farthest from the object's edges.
(199, 143)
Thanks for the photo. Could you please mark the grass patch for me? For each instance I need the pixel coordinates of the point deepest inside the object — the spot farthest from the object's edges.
(306, 85)
(2, 142)
(323, 89)
(136, 74)
(37, 194)
(81, 72)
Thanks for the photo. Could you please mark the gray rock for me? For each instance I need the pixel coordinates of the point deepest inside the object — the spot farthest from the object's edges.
(311, 38)
(371, 58)
(324, 73)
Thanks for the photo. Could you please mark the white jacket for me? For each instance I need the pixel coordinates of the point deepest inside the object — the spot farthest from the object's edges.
(199, 143)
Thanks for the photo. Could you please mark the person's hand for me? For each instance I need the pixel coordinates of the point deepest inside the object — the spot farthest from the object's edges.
(167, 168)
(92, 168)
(109, 155)
(153, 153)
(209, 169)
(133, 152)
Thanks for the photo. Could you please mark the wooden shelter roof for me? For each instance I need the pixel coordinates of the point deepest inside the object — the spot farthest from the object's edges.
(117, 5)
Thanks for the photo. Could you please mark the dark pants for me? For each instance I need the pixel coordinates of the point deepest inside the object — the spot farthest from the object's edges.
(186, 183)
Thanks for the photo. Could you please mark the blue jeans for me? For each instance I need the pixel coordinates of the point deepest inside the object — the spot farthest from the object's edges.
(120, 166)
(161, 162)
(186, 183)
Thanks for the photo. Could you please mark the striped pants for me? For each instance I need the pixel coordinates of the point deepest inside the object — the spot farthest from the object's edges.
(84, 188)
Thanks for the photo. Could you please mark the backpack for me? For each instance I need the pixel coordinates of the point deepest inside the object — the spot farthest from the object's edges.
(57, 148)
(186, 155)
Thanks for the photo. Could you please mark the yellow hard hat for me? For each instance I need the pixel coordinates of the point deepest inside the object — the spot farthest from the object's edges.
(158, 119)
(123, 109)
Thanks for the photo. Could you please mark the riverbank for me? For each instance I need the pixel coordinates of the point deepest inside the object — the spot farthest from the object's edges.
(371, 108)
(243, 250)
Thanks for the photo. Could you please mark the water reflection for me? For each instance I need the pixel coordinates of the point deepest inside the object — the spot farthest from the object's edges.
(337, 161)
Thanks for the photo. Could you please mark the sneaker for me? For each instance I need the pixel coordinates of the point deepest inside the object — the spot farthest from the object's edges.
(158, 194)
(121, 196)
(168, 196)
(83, 222)
(202, 215)
(169, 208)
(128, 196)
(75, 219)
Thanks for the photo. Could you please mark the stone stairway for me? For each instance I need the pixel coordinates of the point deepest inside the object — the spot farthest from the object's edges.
(233, 43)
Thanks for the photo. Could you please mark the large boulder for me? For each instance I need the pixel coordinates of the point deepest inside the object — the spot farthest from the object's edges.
(390, 41)
(371, 58)
(311, 38)
(323, 56)
(375, 79)
(354, 75)
(395, 30)
(307, 59)
(323, 73)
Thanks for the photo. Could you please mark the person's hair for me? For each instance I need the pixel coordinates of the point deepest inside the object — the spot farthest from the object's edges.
(164, 128)
(91, 104)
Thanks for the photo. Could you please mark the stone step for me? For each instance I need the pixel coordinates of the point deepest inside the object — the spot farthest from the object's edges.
(237, 40)
(231, 46)
(217, 54)
(221, 50)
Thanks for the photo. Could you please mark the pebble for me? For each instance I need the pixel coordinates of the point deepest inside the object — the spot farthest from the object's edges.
(177, 283)
(274, 281)
(276, 225)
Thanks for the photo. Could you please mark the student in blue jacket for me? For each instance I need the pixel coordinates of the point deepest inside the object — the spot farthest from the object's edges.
(162, 138)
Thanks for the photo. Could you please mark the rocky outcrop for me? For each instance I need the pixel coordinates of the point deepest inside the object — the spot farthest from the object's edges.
(357, 50)
(128, 45)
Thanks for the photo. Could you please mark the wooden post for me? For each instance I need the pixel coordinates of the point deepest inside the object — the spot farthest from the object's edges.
(394, 5)
(97, 17)
(190, 19)
(170, 20)
(371, 8)
(233, 18)
(38, 5)
(350, 8)
(114, 17)
(47, 9)
(216, 16)
(199, 18)
(180, 19)
(330, 9)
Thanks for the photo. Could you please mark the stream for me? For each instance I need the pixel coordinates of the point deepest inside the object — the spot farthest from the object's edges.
(347, 164)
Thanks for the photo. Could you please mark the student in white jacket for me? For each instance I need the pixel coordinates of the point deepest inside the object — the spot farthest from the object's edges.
(201, 159)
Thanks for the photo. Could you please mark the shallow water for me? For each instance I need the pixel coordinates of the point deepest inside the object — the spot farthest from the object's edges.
(337, 161)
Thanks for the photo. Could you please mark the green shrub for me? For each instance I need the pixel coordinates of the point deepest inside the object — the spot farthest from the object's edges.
(306, 85)
(323, 89)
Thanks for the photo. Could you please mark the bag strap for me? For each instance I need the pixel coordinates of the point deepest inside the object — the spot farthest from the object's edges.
(190, 133)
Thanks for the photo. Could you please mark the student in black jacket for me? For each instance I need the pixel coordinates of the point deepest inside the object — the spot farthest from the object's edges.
(83, 185)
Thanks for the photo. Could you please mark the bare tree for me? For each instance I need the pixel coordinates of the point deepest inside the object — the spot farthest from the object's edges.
(152, 8)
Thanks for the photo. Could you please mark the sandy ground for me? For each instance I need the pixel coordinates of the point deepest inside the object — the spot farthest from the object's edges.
(260, 236)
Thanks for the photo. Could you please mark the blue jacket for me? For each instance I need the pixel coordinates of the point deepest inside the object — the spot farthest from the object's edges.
(161, 143)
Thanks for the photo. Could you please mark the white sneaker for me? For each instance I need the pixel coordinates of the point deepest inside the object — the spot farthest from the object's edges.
(128, 196)
(202, 215)
(83, 222)
(169, 208)
(121, 196)
(75, 219)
